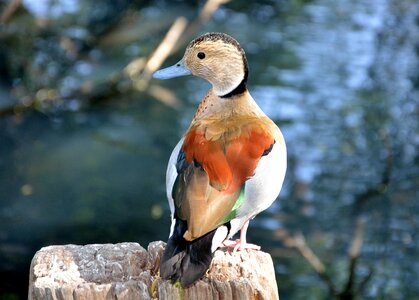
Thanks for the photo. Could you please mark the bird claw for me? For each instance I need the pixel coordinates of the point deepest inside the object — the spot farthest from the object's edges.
(238, 245)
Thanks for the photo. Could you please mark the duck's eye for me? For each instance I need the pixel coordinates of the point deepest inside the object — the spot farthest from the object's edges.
(201, 55)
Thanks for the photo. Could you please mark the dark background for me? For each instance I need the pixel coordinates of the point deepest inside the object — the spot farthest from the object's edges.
(83, 147)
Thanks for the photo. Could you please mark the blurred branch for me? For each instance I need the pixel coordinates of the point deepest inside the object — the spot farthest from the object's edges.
(164, 95)
(354, 253)
(356, 243)
(10, 110)
(363, 283)
(349, 292)
(205, 14)
(364, 197)
(178, 35)
(137, 74)
(9, 10)
(166, 46)
(146, 69)
(298, 241)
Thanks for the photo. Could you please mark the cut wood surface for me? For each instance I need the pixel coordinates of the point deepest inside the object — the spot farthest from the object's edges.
(128, 271)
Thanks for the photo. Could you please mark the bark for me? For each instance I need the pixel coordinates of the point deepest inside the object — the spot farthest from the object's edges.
(128, 271)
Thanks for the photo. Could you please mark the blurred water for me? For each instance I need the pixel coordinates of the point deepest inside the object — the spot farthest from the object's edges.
(340, 78)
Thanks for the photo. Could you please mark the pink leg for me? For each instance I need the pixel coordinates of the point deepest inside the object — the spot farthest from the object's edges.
(241, 243)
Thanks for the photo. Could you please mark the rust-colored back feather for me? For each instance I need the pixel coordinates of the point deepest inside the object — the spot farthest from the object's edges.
(229, 159)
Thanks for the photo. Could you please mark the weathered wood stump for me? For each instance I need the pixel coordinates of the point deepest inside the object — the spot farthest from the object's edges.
(128, 271)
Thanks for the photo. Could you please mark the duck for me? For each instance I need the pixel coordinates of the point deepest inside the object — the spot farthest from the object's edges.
(228, 167)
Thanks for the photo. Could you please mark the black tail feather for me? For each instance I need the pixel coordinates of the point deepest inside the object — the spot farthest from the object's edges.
(184, 260)
(174, 252)
(197, 259)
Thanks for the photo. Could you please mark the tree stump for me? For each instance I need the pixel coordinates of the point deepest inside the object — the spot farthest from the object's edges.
(128, 271)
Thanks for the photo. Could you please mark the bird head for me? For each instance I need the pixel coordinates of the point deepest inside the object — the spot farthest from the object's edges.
(215, 57)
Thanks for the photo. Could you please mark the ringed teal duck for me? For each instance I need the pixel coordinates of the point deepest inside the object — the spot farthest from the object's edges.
(228, 167)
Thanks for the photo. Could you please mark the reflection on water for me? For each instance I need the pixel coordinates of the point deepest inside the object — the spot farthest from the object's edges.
(339, 78)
